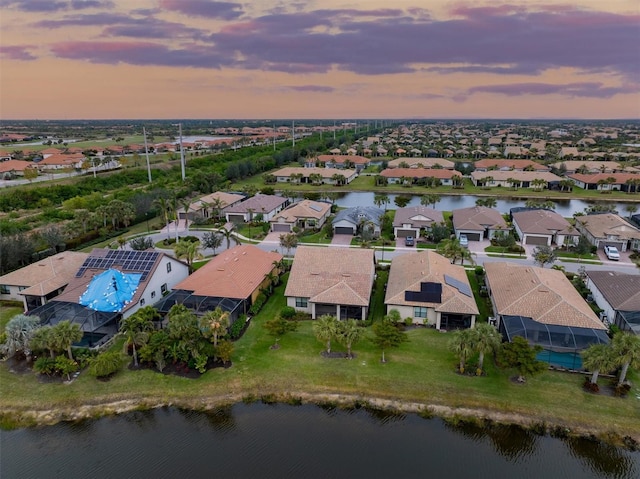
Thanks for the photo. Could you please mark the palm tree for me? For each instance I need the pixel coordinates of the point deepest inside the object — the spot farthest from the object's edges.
(538, 183)
(288, 241)
(190, 251)
(43, 339)
(228, 234)
(451, 248)
(217, 204)
(596, 358)
(66, 333)
(380, 199)
(349, 333)
(626, 350)
(461, 345)
(165, 208)
(216, 323)
(175, 206)
(19, 331)
(325, 328)
(631, 209)
(185, 204)
(136, 333)
(486, 339)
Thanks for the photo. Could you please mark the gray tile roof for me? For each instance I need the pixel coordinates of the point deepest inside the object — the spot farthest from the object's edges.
(621, 290)
(359, 213)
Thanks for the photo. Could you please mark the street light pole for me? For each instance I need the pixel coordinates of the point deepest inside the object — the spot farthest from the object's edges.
(181, 153)
(146, 152)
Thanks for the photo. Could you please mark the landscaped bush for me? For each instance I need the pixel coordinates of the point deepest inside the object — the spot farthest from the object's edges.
(479, 271)
(288, 312)
(238, 327)
(45, 365)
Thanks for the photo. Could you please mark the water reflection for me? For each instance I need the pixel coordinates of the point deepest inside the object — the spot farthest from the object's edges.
(602, 458)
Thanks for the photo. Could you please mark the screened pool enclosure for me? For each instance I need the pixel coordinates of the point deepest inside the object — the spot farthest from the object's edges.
(561, 344)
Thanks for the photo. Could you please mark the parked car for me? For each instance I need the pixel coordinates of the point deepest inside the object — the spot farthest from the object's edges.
(409, 241)
(612, 253)
(464, 241)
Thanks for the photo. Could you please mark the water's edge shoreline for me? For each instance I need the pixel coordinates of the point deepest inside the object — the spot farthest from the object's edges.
(18, 418)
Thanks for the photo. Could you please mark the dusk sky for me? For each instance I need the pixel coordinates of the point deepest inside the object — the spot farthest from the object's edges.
(333, 59)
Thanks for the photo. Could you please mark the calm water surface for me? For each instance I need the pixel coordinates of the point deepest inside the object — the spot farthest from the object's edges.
(278, 441)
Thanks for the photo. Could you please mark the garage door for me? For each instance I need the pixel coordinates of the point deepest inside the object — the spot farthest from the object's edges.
(473, 236)
(236, 218)
(281, 227)
(343, 230)
(405, 233)
(539, 240)
(617, 244)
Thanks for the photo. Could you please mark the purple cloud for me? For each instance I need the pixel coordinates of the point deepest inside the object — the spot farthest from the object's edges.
(579, 89)
(82, 4)
(36, 5)
(17, 52)
(204, 8)
(312, 88)
(93, 19)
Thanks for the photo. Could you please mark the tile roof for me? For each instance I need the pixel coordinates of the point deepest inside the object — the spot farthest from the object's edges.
(15, 165)
(544, 295)
(515, 164)
(620, 178)
(358, 213)
(225, 198)
(325, 172)
(500, 175)
(355, 159)
(409, 270)
(425, 162)
(606, 224)
(234, 273)
(46, 275)
(417, 216)
(621, 290)
(442, 174)
(478, 218)
(303, 209)
(332, 275)
(259, 203)
(542, 222)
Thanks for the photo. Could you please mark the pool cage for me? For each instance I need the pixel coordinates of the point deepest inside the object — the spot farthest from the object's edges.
(201, 304)
(628, 321)
(97, 326)
(561, 344)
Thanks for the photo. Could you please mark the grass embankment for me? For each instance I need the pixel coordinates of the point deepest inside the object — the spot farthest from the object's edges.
(420, 371)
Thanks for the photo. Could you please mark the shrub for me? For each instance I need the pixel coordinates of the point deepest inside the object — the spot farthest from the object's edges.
(237, 328)
(106, 364)
(190, 239)
(45, 365)
(288, 312)
(479, 271)
(408, 321)
(257, 305)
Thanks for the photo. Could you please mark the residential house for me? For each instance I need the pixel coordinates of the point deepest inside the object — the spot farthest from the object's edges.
(414, 175)
(341, 162)
(111, 285)
(415, 221)
(489, 164)
(39, 282)
(629, 182)
(427, 288)
(543, 227)
(350, 221)
(422, 163)
(523, 179)
(618, 295)
(608, 229)
(544, 307)
(232, 280)
(478, 222)
(328, 176)
(62, 161)
(265, 205)
(592, 166)
(204, 207)
(305, 214)
(15, 167)
(334, 281)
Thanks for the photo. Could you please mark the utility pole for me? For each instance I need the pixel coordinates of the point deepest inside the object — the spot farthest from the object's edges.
(274, 136)
(146, 152)
(293, 133)
(181, 153)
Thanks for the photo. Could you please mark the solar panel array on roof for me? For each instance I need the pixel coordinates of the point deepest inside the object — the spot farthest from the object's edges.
(315, 208)
(459, 285)
(429, 293)
(134, 261)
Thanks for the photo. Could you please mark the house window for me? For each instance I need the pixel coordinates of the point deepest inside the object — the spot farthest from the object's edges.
(419, 312)
(142, 302)
(163, 288)
(153, 294)
(168, 267)
(301, 302)
(4, 289)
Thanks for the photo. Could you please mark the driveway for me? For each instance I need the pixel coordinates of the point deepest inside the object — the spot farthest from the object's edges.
(341, 240)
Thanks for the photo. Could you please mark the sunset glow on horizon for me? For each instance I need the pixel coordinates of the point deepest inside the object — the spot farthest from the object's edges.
(102, 59)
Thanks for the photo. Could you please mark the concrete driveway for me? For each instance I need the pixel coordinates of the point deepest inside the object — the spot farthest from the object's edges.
(341, 240)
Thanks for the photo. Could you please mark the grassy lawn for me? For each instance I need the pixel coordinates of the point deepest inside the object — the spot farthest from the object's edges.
(8, 310)
(570, 260)
(426, 246)
(567, 254)
(484, 304)
(318, 238)
(378, 309)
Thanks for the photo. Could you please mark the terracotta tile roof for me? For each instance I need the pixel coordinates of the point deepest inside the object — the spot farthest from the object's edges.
(355, 159)
(259, 203)
(46, 275)
(409, 270)
(543, 222)
(499, 175)
(226, 199)
(15, 165)
(607, 224)
(234, 273)
(325, 172)
(515, 164)
(621, 290)
(303, 209)
(544, 295)
(332, 275)
(621, 178)
(417, 216)
(60, 159)
(478, 218)
(425, 162)
(420, 173)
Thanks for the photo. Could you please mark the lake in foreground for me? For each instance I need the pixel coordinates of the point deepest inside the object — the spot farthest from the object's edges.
(263, 441)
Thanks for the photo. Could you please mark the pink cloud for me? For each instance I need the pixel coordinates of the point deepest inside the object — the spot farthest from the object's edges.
(17, 52)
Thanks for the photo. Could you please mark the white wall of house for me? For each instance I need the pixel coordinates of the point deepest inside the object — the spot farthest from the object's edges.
(345, 224)
(601, 301)
(408, 312)
(12, 295)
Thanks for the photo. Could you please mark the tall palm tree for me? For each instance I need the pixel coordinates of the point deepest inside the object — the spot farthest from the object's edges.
(229, 234)
(175, 206)
(190, 251)
(626, 349)
(349, 333)
(486, 339)
(66, 333)
(596, 358)
(325, 328)
(185, 204)
(451, 248)
(461, 345)
(215, 323)
(43, 339)
(165, 208)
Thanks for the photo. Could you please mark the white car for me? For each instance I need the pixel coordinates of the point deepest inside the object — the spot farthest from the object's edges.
(612, 253)
(464, 241)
